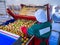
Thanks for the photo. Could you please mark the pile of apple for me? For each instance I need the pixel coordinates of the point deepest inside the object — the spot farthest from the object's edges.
(15, 28)
(24, 39)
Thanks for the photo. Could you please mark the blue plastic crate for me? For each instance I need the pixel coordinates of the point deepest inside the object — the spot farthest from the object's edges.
(6, 40)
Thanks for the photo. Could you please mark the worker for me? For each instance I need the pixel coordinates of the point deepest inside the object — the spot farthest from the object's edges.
(55, 27)
(41, 30)
(56, 15)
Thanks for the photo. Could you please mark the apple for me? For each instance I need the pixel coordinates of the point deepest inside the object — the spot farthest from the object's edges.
(23, 43)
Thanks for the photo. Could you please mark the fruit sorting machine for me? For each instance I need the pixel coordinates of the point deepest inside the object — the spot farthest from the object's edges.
(21, 20)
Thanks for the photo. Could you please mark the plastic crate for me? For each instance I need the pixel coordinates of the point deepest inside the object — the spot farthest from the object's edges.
(7, 38)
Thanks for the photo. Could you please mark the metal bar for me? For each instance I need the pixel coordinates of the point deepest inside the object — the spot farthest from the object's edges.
(30, 40)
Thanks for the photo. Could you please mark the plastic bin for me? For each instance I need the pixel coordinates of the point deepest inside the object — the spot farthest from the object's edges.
(7, 38)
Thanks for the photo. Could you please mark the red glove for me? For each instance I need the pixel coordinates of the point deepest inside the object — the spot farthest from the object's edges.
(24, 29)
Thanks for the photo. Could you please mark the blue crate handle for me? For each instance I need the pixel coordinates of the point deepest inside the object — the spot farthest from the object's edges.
(9, 21)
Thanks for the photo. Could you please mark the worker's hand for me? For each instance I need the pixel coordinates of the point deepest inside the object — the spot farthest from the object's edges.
(24, 29)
